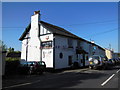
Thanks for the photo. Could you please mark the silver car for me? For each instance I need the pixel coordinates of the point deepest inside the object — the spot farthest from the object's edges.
(97, 61)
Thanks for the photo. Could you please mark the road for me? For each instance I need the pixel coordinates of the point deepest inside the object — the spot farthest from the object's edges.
(79, 78)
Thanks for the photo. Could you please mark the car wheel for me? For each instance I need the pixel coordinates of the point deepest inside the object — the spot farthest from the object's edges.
(91, 67)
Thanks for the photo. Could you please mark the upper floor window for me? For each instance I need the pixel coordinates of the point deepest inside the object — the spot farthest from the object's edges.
(61, 55)
(70, 43)
(78, 44)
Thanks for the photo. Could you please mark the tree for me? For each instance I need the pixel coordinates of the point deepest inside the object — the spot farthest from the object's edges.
(10, 49)
(3, 47)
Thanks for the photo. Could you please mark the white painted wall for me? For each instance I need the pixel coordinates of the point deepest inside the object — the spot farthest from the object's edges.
(61, 46)
(85, 46)
(23, 50)
(34, 43)
(47, 57)
(61, 41)
(43, 30)
(47, 53)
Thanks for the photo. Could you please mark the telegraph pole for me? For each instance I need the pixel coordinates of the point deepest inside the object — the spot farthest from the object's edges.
(110, 46)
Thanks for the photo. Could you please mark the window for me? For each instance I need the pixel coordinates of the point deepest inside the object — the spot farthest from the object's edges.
(61, 55)
(77, 56)
(78, 43)
(96, 57)
(86, 57)
(70, 43)
(69, 60)
(81, 60)
(46, 44)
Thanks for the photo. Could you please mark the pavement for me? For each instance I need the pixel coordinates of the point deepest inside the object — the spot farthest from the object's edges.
(78, 78)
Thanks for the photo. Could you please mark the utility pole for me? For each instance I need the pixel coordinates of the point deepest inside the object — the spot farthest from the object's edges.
(110, 46)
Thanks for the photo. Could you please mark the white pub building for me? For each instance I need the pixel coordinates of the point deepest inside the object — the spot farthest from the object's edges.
(57, 47)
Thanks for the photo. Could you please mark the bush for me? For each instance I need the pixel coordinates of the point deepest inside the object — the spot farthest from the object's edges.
(12, 59)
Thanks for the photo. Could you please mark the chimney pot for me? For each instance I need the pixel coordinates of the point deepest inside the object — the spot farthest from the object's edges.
(36, 12)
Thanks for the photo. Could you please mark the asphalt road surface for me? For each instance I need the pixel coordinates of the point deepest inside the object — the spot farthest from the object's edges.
(79, 78)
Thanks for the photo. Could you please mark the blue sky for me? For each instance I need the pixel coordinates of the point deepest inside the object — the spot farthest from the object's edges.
(97, 21)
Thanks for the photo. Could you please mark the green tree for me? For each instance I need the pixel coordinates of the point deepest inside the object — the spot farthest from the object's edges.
(10, 49)
(3, 47)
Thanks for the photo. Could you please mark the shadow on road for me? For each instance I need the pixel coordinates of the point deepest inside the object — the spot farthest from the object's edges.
(67, 79)
(61, 79)
(113, 67)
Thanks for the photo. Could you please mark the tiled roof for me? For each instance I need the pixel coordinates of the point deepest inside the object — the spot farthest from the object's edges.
(25, 32)
(59, 30)
(55, 30)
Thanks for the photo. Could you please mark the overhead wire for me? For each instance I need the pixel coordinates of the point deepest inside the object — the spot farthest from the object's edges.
(90, 23)
(101, 33)
(73, 24)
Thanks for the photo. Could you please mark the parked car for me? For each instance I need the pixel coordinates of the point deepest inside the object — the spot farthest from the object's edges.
(97, 61)
(36, 67)
(117, 61)
(113, 62)
(110, 62)
(32, 67)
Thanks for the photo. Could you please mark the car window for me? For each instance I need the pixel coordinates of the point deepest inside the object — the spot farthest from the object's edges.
(41, 63)
(96, 57)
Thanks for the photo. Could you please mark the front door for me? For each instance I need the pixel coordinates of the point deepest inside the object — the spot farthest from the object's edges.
(69, 60)
(83, 60)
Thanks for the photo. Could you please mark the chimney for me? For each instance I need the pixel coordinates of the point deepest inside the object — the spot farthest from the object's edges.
(35, 24)
(37, 12)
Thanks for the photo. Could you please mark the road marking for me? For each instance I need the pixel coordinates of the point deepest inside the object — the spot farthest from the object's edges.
(23, 84)
(118, 71)
(107, 80)
(17, 85)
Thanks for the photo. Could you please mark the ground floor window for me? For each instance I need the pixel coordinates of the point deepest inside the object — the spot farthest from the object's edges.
(47, 44)
(86, 57)
(77, 56)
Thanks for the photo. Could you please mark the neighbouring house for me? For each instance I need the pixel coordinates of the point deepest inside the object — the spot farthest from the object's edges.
(109, 53)
(55, 45)
(115, 55)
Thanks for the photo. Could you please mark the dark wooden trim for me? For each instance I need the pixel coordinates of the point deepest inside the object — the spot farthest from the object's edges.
(25, 32)
(68, 36)
(45, 34)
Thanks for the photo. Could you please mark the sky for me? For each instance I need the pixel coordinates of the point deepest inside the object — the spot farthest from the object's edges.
(96, 21)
